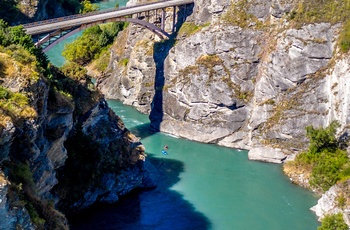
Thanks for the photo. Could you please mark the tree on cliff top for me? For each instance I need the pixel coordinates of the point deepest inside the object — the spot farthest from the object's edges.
(16, 35)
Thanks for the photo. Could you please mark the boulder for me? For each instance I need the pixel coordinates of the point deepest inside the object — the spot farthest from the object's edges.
(267, 154)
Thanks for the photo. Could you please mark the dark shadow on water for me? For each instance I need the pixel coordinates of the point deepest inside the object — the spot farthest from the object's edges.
(160, 53)
(160, 208)
(142, 131)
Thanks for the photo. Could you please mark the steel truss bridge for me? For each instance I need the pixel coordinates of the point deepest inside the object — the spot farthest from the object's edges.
(50, 32)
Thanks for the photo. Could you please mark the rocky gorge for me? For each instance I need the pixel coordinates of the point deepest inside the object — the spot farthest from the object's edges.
(235, 73)
(240, 74)
(61, 145)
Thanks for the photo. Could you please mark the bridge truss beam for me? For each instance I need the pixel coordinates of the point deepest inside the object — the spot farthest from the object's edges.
(157, 25)
(52, 39)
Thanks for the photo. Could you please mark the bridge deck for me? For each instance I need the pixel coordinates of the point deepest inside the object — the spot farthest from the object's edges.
(81, 19)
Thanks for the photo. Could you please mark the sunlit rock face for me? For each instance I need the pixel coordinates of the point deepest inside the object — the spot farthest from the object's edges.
(237, 86)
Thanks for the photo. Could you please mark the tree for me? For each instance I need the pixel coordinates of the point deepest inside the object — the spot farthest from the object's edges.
(326, 161)
(17, 35)
(333, 222)
(323, 138)
(91, 43)
(86, 6)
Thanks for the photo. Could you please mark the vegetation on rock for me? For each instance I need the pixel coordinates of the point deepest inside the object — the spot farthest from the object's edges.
(15, 105)
(189, 28)
(325, 162)
(16, 35)
(23, 194)
(238, 15)
(333, 222)
(22, 65)
(19, 59)
(332, 11)
(91, 44)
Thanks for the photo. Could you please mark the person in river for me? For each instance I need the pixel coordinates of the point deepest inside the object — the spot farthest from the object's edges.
(166, 147)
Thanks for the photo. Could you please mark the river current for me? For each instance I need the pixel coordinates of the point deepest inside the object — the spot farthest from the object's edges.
(199, 186)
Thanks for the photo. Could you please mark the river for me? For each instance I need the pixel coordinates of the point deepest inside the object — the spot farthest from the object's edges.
(200, 186)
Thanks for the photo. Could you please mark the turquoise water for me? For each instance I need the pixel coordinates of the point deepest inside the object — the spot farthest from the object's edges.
(199, 186)
(214, 188)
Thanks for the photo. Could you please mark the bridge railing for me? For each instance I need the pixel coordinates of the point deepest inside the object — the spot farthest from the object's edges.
(74, 16)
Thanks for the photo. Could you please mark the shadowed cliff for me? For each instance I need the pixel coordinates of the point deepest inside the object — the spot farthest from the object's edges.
(153, 209)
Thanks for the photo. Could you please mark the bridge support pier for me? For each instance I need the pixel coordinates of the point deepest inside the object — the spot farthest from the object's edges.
(163, 19)
(174, 19)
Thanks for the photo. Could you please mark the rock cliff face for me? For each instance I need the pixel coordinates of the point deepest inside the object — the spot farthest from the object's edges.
(43, 157)
(36, 10)
(241, 87)
(253, 84)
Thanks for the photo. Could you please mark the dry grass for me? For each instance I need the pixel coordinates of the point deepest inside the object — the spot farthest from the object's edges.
(4, 119)
(15, 105)
(11, 68)
(237, 15)
(189, 28)
(292, 169)
(209, 60)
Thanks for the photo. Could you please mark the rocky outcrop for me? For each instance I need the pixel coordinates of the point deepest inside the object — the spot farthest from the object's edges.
(40, 150)
(133, 79)
(267, 154)
(116, 162)
(334, 201)
(11, 217)
(209, 11)
(239, 87)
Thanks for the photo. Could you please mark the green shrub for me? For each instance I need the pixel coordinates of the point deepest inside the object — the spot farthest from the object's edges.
(74, 71)
(323, 138)
(341, 201)
(344, 38)
(21, 173)
(17, 35)
(328, 162)
(102, 61)
(327, 170)
(92, 42)
(333, 222)
(34, 216)
(15, 104)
